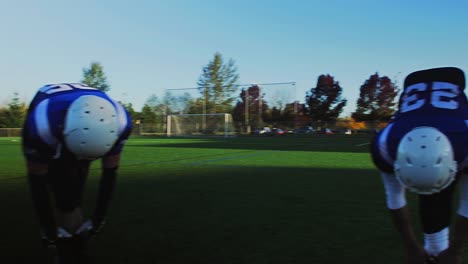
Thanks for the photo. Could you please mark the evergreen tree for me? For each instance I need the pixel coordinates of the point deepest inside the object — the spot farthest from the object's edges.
(217, 83)
(148, 116)
(13, 115)
(4, 118)
(94, 76)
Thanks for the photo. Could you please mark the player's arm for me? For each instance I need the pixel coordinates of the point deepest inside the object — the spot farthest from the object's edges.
(38, 181)
(397, 205)
(415, 253)
(460, 233)
(110, 166)
(37, 155)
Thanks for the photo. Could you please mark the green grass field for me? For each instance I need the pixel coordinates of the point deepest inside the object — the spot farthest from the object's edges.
(315, 199)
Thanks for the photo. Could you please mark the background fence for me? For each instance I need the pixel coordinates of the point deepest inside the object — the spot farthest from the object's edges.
(158, 129)
(340, 126)
(10, 132)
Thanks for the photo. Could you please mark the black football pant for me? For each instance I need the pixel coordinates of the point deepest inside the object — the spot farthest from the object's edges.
(67, 177)
(436, 209)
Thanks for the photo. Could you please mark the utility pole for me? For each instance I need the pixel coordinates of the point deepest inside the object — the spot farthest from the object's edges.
(260, 104)
(246, 109)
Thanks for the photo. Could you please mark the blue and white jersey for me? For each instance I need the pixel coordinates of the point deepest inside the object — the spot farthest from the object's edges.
(432, 98)
(44, 123)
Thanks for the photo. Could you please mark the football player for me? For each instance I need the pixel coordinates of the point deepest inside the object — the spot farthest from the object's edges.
(68, 126)
(424, 150)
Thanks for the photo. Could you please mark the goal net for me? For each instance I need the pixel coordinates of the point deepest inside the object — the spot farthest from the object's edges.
(200, 125)
(252, 106)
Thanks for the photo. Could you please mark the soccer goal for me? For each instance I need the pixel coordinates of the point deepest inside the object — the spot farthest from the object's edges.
(200, 125)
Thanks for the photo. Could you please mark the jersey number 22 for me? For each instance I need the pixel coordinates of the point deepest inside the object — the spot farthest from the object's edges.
(442, 96)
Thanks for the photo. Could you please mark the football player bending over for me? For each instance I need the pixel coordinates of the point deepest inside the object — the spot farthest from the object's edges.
(67, 127)
(424, 149)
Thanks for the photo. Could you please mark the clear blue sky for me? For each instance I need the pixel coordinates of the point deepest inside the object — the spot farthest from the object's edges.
(146, 46)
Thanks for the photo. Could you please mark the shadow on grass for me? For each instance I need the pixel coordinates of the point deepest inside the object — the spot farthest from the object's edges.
(219, 215)
(322, 143)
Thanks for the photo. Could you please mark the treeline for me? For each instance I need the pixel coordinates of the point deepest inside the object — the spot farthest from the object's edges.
(13, 114)
(220, 92)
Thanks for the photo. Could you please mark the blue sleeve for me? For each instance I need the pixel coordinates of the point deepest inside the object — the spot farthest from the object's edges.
(34, 148)
(377, 159)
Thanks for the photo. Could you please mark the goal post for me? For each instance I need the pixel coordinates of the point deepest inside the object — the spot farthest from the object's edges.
(253, 106)
(180, 125)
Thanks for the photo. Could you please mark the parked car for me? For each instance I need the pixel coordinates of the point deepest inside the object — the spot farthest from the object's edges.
(304, 130)
(328, 131)
(263, 131)
(278, 131)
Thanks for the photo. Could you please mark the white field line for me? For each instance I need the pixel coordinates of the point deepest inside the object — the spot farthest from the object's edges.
(231, 158)
(257, 153)
(363, 144)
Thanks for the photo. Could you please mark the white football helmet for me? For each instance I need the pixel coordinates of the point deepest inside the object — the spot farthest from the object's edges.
(91, 127)
(425, 161)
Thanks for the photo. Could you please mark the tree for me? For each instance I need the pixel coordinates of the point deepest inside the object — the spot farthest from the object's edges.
(376, 102)
(157, 106)
(252, 108)
(289, 115)
(94, 76)
(283, 117)
(180, 104)
(134, 115)
(153, 114)
(196, 106)
(217, 83)
(350, 123)
(4, 117)
(324, 102)
(13, 115)
(147, 115)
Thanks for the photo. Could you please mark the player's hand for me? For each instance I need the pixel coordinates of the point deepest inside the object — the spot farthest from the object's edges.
(48, 243)
(86, 227)
(91, 227)
(50, 247)
(97, 226)
(450, 256)
(416, 255)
